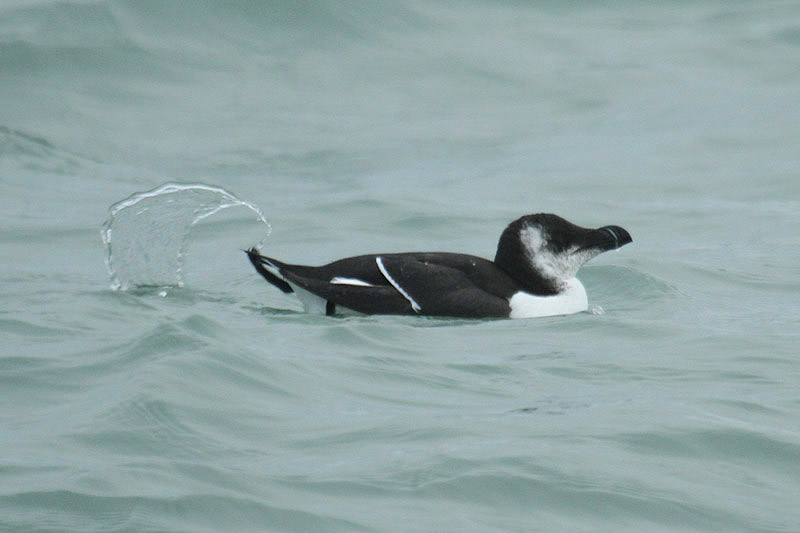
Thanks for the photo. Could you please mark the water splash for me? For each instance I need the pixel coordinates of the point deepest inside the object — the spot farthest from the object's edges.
(147, 234)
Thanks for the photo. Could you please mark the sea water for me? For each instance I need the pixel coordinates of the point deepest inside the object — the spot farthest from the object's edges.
(206, 400)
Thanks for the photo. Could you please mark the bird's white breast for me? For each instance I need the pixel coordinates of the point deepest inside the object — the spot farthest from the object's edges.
(570, 300)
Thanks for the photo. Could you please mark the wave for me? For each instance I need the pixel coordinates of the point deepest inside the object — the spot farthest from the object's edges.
(34, 152)
(137, 37)
(176, 511)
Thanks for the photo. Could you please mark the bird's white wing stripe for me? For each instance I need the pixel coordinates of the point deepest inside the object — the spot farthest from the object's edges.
(414, 305)
(338, 280)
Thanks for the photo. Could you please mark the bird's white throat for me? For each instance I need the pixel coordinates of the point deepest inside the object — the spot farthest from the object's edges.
(572, 299)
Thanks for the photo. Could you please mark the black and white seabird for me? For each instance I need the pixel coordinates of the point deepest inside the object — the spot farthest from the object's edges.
(532, 275)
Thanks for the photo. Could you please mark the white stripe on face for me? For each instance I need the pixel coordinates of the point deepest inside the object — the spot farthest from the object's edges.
(557, 266)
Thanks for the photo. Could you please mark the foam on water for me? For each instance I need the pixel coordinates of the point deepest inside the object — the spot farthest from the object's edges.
(147, 234)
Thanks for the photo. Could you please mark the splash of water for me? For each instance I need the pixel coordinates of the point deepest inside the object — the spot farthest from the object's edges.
(147, 234)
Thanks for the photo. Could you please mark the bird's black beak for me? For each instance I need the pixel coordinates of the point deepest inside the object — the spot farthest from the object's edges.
(613, 237)
(605, 238)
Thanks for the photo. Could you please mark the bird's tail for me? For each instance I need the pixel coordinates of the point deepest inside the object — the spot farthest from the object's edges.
(261, 263)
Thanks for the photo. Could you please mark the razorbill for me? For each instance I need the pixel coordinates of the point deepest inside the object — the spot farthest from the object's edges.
(532, 275)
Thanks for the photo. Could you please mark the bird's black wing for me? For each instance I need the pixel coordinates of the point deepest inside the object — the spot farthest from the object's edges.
(431, 288)
(427, 283)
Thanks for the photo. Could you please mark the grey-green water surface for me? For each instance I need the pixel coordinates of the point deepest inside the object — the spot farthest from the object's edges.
(395, 126)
